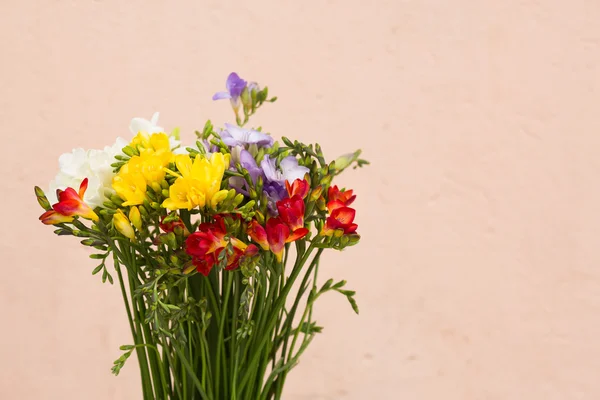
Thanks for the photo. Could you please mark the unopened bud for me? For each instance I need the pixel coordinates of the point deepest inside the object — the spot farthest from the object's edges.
(130, 151)
(345, 160)
(156, 187)
(135, 218)
(316, 193)
(42, 199)
(321, 205)
(122, 225)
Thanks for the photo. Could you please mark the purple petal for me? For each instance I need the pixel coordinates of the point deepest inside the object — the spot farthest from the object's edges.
(221, 95)
(268, 166)
(249, 136)
(291, 170)
(235, 85)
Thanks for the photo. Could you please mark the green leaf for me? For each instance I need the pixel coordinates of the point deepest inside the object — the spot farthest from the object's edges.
(98, 256)
(97, 269)
(339, 284)
(353, 303)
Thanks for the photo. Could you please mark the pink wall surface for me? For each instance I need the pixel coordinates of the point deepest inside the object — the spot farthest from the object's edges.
(478, 275)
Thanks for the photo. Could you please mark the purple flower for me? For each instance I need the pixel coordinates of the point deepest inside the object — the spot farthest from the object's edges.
(236, 136)
(289, 170)
(243, 156)
(275, 178)
(235, 85)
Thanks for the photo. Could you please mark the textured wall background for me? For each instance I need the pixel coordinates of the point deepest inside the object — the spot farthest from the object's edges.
(478, 274)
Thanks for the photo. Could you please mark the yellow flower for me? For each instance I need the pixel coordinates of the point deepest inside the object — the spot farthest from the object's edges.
(199, 183)
(150, 165)
(130, 185)
(122, 225)
(135, 217)
(155, 143)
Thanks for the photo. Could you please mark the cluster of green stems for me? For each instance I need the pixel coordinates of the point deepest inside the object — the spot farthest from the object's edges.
(225, 353)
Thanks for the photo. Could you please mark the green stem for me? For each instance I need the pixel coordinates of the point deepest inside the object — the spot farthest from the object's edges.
(190, 371)
(141, 353)
(220, 343)
(301, 259)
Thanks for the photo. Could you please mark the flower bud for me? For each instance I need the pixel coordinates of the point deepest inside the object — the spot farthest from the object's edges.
(135, 218)
(345, 160)
(260, 218)
(171, 240)
(122, 225)
(321, 205)
(353, 239)
(130, 151)
(42, 199)
(143, 211)
(156, 187)
(316, 193)
(116, 200)
(246, 98)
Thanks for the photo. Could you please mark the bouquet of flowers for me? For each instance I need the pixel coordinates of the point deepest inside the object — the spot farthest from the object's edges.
(208, 243)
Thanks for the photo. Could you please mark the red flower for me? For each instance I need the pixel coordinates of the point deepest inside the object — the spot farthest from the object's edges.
(275, 235)
(291, 212)
(206, 245)
(70, 204)
(258, 234)
(341, 218)
(337, 198)
(170, 226)
(204, 264)
(299, 187)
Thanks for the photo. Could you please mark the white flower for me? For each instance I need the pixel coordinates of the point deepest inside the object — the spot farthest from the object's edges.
(92, 164)
(138, 125)
(95, 165)
(143, 125)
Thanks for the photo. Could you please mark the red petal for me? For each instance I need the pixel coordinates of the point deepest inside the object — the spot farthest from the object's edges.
(83, 187)
(350, 229)
(277, 234)
(69, 207)
(69, 194)
(344, 215)
(52, 217)
(297, 234)
(334, 205)
(258, 234)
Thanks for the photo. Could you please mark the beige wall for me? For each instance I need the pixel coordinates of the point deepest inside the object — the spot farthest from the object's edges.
(479, 270)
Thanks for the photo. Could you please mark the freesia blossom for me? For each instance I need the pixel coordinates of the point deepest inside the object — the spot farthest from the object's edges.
(70, 205)
(274, 235)
(299, 187)
(138, 125)
(247, 161)
(234, 85)
(274, 186)
(130, 185)
(91, 164)
(122, 225)
(338, 198)
(291, 212)
(236, 136)
(341, 218)
(209, 241)
(199, 182)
